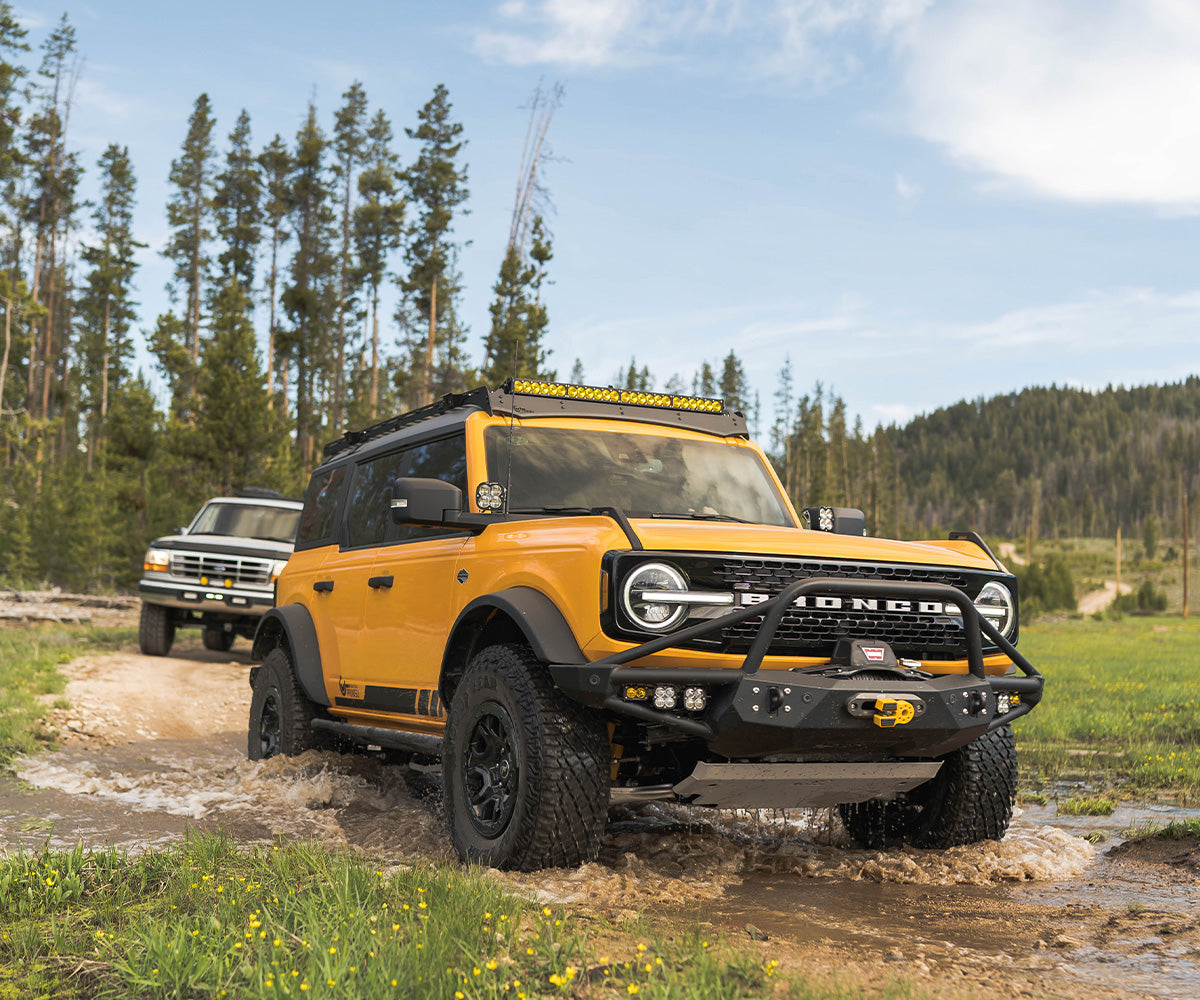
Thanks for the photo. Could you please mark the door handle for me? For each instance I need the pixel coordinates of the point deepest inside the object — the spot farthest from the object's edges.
(323, 586)
(379, 581)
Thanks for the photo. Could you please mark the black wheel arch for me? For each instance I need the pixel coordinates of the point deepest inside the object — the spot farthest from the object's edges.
(519, 615)
(291, 627)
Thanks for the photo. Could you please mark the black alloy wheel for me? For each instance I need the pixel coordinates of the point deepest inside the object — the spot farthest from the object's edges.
(491, 770)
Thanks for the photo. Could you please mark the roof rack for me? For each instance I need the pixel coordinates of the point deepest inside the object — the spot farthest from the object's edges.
(479, 397)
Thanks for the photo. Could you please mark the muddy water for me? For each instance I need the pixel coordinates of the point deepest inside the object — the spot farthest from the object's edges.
(1042, 903)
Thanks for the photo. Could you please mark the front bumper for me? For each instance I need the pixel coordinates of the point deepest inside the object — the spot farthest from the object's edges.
(818, 712)
(192, 596)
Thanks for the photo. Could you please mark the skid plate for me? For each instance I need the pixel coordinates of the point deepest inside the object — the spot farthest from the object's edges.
(789, 786)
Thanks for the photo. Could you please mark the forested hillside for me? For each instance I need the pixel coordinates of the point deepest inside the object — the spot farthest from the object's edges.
(1053, 461)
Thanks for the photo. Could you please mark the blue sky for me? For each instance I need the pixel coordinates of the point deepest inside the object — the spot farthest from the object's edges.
(916, 201)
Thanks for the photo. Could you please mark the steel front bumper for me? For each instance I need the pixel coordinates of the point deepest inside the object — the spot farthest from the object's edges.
(193, 596)
(818, 712)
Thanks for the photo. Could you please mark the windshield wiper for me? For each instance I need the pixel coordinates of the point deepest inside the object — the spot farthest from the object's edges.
(692, 515)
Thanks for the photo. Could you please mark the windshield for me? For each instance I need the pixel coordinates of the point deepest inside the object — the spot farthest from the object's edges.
(645, 475)
(274, 524)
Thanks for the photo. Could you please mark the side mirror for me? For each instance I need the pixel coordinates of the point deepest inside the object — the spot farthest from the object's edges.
(839, 520)
(425, 501)
(180, 530)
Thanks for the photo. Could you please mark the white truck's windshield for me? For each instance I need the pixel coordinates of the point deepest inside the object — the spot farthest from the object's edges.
(276, 524)
(646, 475)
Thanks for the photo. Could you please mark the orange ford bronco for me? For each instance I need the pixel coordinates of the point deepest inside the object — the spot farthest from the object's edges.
(574, 596)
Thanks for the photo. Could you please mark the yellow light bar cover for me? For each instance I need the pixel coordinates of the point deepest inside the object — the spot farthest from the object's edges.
(529, 387)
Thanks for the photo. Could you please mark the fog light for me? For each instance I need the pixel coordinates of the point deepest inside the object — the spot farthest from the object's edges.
(1001, 704)
(634, 693)
(664, 696)
(694, 699)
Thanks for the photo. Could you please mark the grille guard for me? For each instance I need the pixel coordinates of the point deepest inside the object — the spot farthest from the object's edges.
(593, 682)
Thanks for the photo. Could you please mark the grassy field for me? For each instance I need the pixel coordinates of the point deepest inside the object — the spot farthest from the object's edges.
(1121, 710)
(209, 919)
(29, 661)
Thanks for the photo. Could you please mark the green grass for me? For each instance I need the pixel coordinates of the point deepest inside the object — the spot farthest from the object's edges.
(1121, 708)
(1086, 806)
(29, 660)
(210, 919)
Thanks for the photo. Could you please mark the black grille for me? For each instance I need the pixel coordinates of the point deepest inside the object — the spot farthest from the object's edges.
(813, 632)
(248, 572)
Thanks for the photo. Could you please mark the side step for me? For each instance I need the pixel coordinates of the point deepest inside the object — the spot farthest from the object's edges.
(390, 739)
(791, 786)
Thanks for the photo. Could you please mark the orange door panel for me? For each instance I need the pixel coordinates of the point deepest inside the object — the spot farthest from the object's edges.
(408, 613)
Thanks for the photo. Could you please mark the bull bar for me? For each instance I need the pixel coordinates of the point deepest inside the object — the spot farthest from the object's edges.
(598, 683)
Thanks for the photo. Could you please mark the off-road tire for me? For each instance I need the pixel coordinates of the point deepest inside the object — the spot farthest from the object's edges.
(969, 800)
(217, 639)
(280, 713)
(552, 758)
(156, 630)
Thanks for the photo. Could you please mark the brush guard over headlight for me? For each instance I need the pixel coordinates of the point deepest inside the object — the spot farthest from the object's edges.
(819, 710)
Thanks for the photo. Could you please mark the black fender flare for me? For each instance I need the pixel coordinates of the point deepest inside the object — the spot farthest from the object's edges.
(292, 626)
(534, 615)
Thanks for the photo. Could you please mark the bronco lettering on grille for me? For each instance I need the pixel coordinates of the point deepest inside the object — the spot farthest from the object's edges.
(830, 603)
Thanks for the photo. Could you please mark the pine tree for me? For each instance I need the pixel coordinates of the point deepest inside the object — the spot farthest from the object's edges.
(349, 146)
(11, 73)
(106, 309)
(437, 186)
(577, 374)
(237, 205)
(190, 216)
(309, 297)
(50, 209)
(733, 386)
(276, 164)
(234, 427)
(514, 346)
(378, 226)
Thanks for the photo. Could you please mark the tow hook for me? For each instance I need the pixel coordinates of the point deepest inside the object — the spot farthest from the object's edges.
(891, 712)
(884, 710)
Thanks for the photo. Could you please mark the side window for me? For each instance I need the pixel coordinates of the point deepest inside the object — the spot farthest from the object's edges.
(369, 517)
(320, 506)
(369, 520)
(445, 459)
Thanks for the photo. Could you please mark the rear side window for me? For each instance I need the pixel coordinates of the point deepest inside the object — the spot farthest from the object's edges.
(317, 524)
(369, 521)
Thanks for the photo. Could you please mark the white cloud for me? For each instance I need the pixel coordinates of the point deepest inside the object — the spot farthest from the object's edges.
(1083, 101)
(906, 189)
(800, 40)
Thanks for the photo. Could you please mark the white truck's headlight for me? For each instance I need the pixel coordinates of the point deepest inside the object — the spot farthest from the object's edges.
(646, 596)
(157, 561)
(995, 603)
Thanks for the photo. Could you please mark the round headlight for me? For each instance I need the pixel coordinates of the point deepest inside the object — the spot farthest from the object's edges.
(995, 604)
(645, 596)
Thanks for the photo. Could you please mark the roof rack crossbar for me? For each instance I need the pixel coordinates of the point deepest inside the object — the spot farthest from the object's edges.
(480, 397)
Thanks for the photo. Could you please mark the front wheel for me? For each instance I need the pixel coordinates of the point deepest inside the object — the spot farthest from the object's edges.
(216, 638)
(156, 630)
(280, 713)
(970, 799)
(525, 769)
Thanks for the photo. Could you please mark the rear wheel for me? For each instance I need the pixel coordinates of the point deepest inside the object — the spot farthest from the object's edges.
(525, 769)
(216, 638)
(280, 713)
(970, 799)
(156, 630)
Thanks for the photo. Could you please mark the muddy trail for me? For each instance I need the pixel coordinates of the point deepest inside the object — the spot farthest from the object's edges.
(155, 746)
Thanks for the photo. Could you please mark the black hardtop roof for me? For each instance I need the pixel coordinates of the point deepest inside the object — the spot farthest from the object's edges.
(453, 409)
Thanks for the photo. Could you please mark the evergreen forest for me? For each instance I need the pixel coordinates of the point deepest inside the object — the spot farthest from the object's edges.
(284, 250)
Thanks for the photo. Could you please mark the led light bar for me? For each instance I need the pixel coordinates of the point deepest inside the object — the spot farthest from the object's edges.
(663, 400)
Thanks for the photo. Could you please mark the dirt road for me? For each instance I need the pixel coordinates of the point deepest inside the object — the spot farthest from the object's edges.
(155, 745)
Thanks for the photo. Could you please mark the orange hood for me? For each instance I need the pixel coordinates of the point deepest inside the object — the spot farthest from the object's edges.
(725, 536)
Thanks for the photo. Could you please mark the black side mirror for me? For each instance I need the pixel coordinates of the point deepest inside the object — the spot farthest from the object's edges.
(840, 520)
(425, 501)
